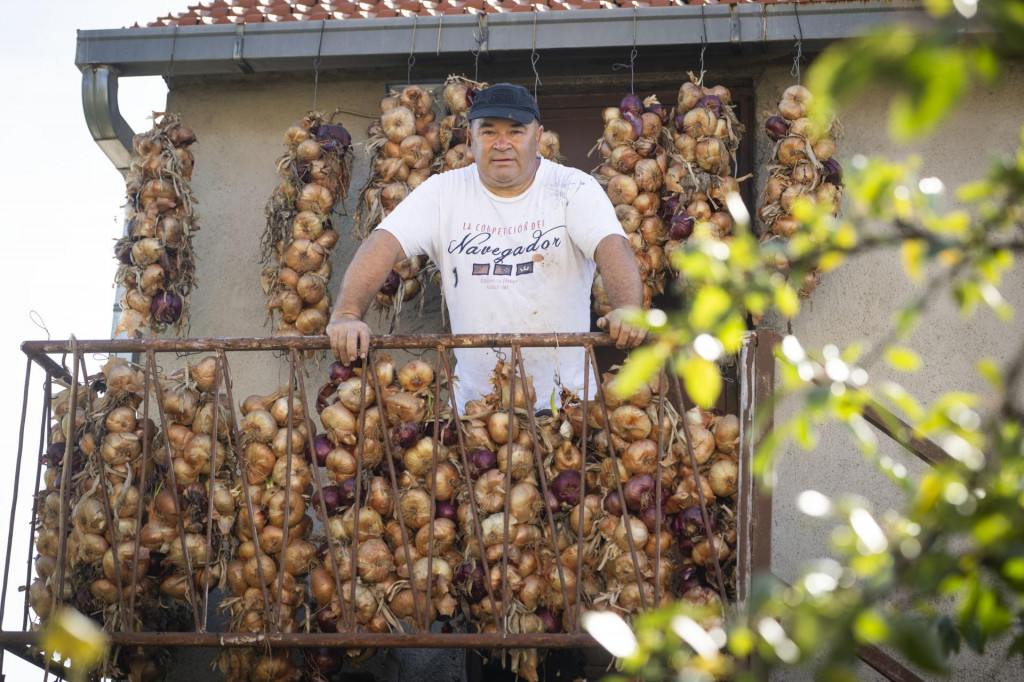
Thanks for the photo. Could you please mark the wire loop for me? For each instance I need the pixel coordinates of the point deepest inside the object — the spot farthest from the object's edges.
(412, 49)
(316, 63)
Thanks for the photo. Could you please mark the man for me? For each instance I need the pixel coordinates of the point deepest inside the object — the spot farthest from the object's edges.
(516, 239)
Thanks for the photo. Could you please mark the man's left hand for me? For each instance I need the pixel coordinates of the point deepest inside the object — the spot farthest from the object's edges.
(617, 326)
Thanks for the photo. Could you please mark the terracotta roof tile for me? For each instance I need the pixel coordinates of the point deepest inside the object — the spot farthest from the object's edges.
(256, 11)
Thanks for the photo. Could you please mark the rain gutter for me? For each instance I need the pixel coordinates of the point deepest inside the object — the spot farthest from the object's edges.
(105, 55)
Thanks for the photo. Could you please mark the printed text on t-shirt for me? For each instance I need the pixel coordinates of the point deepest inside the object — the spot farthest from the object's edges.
(473, 244)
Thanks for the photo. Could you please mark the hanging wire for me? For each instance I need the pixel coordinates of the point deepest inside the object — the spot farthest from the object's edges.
(480, 37)
(412, 49)
(703, 41)
(170, 63)
(632, 58)
(795, 71)
(440, 23)
(535, 57)
(316, 63)
(37, 320)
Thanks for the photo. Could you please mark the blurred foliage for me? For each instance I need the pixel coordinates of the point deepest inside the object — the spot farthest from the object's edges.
(946, 572)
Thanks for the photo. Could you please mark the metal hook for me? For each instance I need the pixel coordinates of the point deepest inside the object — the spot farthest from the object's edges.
(703, 40)
(412, 48)
(535, 57)
(795, 71)
(481, 42)
(316, 63)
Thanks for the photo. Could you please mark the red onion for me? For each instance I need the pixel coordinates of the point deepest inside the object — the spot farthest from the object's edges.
(678, 121)
(776, 127)
(324, 660)
(166, 307)
(689, 523)
(552, 622)
(659, 109)
(469, 580)
(684, 544)
(390, 286)
(54, 454)
(543, 413)
(635, 120)
(638, 492)
(405, 434)
(123, 252)
(566, 487)
(348, 492)
(446, 510)
(449, 436)
(668, 207)
(301, 171)
(339, 372)
(331, 495)
(650, 518)
(332, 136)
(326, 396)
(680, 226)
(327, 619)
(322, 447)
(481, 460)
(687, 579)
(833, 172)
(631, 104)
(711, 103)
(612, 503)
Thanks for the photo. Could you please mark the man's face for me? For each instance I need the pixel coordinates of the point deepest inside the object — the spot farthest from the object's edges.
(505, 153)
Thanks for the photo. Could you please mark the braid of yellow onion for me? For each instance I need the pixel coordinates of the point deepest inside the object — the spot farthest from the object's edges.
(705, 135)
(802, 166)
(156, 260)
(266, 576)
(299, 237)
(633, 174)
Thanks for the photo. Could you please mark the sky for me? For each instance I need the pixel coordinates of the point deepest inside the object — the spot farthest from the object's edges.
(57, 244)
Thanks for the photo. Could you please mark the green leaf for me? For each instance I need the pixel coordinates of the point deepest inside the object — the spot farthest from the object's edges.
(993, 529)
(642, 364)
(907, 318)
(787, 301)
(920, 643)
(912, 253)
(991, 372)
(709, 305)
(902, 359)
(870, 627)
(703, 381)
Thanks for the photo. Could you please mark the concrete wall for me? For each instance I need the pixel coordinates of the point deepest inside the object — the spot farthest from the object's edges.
(240, 123)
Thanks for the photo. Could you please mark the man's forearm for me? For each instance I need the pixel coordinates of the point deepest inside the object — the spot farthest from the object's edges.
(619, 273)
(366, 274)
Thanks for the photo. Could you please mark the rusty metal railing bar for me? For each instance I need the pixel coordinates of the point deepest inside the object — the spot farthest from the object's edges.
(700, 493)
(112, 521)
(583, 494)
(318, 482)
(175, 491)
(508, 487)
(282, 343)
(240, 465)
(662, 381)
(433, 485)
(14, 503)
(628, 527)
(518, 358)
(361, 430)
(305, 640)
(211, 484)
(146, 437)
(65, 479)
(371, 358)
(287, 486)
(43, 431)
(478, 530)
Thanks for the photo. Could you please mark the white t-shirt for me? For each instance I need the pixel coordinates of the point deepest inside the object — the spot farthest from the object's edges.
(523, 264)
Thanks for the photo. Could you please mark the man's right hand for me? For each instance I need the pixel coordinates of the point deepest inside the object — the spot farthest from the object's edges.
(350, 337)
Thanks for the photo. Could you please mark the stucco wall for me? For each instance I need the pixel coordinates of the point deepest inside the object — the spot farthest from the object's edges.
(240, 124)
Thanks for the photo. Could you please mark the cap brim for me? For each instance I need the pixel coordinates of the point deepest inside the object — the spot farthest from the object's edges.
(517, 115)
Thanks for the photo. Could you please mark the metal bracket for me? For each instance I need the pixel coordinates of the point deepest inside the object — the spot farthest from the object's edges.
(236, 52)
(103, 117)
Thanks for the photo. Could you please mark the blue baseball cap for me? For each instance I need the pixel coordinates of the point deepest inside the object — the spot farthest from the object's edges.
(504, 100)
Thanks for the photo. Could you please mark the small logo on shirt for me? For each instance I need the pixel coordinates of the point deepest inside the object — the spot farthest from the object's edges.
(481, 269)
(524, 268)
(502, 269)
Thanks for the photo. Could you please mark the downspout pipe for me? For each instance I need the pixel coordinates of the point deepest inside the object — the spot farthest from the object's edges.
(103, 115)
